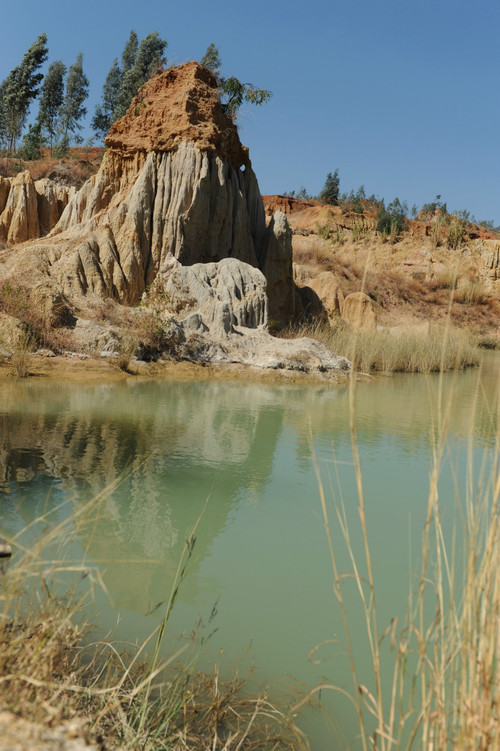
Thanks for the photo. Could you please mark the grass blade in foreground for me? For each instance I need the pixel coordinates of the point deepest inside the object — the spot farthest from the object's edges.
(440, 687)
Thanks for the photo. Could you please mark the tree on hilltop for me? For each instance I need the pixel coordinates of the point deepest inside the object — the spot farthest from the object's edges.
(232, 92)
(391, 219)
(138, 63)
(149, 61)
(129, 53)
(211, 59)
(18, 90)
(103, 117)
(51, 100)
(72, 110)
(330, 192)
(104, 112)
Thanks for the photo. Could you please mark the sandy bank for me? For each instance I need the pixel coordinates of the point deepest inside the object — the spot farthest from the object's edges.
(88, 370)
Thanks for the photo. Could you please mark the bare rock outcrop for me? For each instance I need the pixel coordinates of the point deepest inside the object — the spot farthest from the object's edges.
(28, 209)
(218, 312)
(222, 295)
(278, 269)
(359, 311)
(188, 203)
(175, 180)
(490, 254)
(175, 203)
(52, 199)
(4, 192)
(19, 219)
(319, 294)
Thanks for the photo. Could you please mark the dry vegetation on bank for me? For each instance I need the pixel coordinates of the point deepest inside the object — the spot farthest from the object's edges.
(123, 696)
(406, 350)
(74, 169)
(376, 267)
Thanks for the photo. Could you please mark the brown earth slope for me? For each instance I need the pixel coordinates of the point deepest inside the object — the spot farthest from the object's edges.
(420, 277)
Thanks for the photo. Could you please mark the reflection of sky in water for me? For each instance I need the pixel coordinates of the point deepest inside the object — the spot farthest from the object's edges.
(261, 550)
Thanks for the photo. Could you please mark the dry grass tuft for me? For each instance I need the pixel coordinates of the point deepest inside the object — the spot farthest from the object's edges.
(126, 352)
(409, 349)
(50, 673)
(21, 356)
(43, 327)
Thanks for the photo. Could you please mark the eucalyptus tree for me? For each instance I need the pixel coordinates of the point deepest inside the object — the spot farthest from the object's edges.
(138, 62)
(103, 116)
(129, 52)
(72, 109)
(211, 60)
(232, 91)
(149, 61)
(51, 100)
(18, 91)
(330, 192)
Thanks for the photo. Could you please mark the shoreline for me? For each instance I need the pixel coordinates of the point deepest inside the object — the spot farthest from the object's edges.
(78, 369)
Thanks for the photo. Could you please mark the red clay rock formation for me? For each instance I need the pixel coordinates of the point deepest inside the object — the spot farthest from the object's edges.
(178, 106)
(175, 181)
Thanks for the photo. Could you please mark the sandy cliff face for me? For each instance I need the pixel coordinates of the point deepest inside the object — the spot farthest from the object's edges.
(138, 210)
(337, 253)
(30, 209)
(174, 219)
(175, 181)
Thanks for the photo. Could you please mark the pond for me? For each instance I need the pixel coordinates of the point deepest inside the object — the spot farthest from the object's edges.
(246, 457)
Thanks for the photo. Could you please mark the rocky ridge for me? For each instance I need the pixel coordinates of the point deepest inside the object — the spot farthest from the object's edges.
(30, 209)
(175, 190)
(338, 256)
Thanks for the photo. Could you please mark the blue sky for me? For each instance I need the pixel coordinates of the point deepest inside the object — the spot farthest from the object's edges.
(401, 96)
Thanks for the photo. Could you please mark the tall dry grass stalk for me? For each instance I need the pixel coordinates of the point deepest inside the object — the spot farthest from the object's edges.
(21, 355)
(439, 688)
(134, 697)
(404, 349)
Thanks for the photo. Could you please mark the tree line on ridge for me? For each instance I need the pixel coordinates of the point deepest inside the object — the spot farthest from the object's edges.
(61, 94)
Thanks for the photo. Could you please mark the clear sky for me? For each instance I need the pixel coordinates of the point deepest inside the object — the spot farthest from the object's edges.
(401, 96)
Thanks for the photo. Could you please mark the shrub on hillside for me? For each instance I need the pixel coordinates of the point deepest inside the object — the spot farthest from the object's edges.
(391, 219)
(330, 192)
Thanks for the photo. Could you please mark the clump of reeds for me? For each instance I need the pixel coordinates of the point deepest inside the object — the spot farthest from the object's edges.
(126, 352)
(409, 349)
(21, 355)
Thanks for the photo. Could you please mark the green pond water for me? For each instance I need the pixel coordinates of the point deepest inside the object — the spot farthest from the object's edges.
(260, 584)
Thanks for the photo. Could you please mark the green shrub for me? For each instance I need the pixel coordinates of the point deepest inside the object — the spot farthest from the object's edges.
(391, 219)
(435, 205)
(32, 144)
(62, 148)
(330, 192)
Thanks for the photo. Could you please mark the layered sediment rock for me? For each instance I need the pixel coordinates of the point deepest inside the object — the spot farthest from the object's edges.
(28, 209)
(218, 312)
(175, 180)
(175, 202)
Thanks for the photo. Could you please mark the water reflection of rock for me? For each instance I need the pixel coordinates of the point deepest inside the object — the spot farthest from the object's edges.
(178, 444)
(171, 442)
